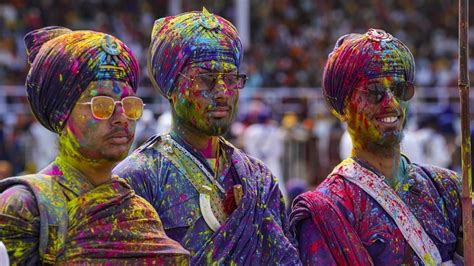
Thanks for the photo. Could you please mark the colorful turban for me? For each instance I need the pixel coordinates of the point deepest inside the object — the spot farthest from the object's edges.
(363, 56)
(189, 38)
(64, 62)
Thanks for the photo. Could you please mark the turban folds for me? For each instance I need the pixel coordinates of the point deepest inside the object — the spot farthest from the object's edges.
(189, 38)
(64, 62)
(358, 57)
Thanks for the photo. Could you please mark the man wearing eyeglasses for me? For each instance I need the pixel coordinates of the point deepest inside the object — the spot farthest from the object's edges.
(219, 203)
(376, 207)
(82, 86)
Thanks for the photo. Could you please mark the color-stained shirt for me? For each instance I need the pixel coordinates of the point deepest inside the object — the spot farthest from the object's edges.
(340, 224)
(108, 223)
(255, 233)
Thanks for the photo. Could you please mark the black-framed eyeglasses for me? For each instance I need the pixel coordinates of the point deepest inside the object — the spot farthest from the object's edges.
(376, 92)
(207, 81)
(103, 107)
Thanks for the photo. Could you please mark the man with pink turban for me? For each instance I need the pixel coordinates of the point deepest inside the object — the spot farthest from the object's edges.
(376, 207)
(219, 203)
(82, 86)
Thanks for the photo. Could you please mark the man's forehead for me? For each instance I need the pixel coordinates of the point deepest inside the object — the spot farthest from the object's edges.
(111, 86)
(213, 66)
(382, 79)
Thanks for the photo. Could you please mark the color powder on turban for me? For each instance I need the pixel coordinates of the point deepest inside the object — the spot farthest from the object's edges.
(190, 38)
(64, 62)
(359, 57)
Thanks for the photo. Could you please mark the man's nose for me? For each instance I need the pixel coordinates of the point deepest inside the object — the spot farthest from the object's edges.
(390, 99)
(220, 86)
(118, 115)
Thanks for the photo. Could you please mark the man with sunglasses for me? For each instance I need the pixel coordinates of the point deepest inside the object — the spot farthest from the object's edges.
(82, 86)
(219, 203)
(376, 207)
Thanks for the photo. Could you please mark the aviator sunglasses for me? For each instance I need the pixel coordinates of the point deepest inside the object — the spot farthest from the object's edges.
(207, 81)
(376, 92)
(103, 107)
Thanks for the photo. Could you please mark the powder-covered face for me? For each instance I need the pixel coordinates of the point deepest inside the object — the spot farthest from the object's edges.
(375, 126)
(208, 111)
(86, 137)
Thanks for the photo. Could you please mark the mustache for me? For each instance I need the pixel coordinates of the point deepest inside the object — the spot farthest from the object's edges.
(122, 131)
(389, 112)
(220, 106)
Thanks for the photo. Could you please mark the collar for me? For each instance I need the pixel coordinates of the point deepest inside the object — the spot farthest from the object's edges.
(226, 147)
(69, 178)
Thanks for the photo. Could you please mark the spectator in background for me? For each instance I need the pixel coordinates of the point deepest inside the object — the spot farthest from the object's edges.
(3, 141)
(295, 137)
(264, 141)
(425, 145)
(18, 144)
(327, 131)
(163, 124)
(44, 146)
(6, 169)
(450, 127)
(146, 128)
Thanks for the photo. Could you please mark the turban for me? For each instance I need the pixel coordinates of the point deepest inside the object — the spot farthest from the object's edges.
(189, 38)
(64, 62)
(359, 57)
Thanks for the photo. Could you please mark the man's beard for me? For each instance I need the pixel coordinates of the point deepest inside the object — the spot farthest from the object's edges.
(114, 157)
(387, 143)
(215, 127)
(218, 127)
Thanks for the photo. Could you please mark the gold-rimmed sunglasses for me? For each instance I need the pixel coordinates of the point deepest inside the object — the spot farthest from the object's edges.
(103, 107)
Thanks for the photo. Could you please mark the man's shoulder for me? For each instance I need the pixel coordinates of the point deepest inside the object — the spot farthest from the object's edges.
(337, 190)
(447, 182)
(143, 155)
(437, 174)
(18, 194)
(34, 181)
(248, 159)
(334, 183)
(149, 148)
(15, 193)
(149, 163)
(254, 163)
(436, 169)
(317, 200)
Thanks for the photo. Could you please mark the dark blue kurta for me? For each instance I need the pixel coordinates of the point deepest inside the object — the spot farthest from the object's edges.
(255, 233)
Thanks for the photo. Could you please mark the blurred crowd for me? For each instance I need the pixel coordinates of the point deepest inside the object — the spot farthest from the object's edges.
(290, 39)
(289, 44)
(302, 33)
